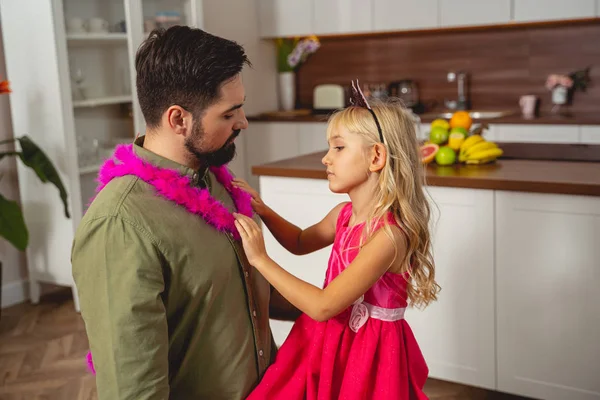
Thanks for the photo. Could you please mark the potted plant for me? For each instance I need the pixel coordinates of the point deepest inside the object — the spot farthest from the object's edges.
(563, 87)
(291, 53)
(12, 223)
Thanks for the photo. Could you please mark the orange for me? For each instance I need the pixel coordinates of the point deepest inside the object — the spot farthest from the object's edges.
(461, 119)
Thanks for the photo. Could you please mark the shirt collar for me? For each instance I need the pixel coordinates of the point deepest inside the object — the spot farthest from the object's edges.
(162, 162)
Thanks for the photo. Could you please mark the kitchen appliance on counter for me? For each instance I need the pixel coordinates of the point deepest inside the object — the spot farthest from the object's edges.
(328, 98)
(407, 91)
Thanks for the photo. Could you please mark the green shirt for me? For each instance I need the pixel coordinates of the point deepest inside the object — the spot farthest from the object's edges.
(171, 306)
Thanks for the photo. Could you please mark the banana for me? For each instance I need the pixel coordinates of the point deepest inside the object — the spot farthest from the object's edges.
(479, 147)
(470, 141)
(487, 153)
(482, 161)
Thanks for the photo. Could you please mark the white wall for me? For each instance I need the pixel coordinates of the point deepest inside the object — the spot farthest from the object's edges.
(237, 20)
(14, 274)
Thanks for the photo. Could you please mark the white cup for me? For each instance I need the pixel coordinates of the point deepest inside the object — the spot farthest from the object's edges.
(528, 105)
(97, 25)
(76, 25)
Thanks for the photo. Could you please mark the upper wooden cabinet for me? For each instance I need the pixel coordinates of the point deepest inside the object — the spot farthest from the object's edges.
(278, 18)
(474, 12)
(397, 15)
(342, 16)
(545, 10)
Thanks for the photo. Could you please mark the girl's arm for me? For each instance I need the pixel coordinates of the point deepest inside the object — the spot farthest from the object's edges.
(373, 260)
(294, 239)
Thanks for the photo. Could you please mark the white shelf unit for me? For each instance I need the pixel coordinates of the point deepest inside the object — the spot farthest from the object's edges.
(102, 101)
(84, 39)
(75, 97)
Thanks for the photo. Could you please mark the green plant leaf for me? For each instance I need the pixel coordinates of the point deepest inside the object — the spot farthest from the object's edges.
(12, 224)
(36, 159)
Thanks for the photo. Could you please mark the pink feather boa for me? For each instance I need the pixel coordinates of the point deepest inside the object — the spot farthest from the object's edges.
(177, 188)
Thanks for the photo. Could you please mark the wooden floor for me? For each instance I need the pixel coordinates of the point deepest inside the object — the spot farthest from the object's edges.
(43, 347)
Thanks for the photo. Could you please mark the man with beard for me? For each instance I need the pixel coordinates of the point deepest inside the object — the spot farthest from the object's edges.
(172, 308)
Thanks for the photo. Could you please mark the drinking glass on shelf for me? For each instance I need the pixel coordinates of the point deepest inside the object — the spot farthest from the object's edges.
(78, 79)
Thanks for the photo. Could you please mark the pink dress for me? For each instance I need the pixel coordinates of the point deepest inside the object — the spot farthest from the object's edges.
(366, 352)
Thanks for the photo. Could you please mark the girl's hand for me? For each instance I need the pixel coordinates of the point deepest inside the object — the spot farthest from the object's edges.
(257, 204)
(252, 239)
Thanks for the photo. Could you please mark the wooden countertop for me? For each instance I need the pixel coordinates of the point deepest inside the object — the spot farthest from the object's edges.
(516, 118)
(558, 177)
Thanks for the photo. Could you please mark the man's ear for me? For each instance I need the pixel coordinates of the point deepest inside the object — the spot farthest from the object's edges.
(178, 119)
(378, 157)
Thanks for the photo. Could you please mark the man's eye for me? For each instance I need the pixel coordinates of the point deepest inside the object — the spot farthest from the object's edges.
(228, 116)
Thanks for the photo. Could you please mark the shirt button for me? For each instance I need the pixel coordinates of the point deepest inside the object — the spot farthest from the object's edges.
(254, 313)
(261, 353)
(247, 274)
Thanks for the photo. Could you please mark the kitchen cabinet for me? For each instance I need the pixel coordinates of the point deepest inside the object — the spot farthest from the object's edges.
(303, 202)
(518, 310)
(589, 134)
(312, 137)
(398, 15)
(474, 12)
(268, 142)
(342, 16)
(544, 10)
(547, 280)
(536, 133)
(279, 18)
(456, 333)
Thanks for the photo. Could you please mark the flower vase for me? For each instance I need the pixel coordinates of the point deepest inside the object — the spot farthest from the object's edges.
(559, 98)
(287, 90)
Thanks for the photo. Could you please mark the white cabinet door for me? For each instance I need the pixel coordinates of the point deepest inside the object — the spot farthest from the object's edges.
(537, 133)
(590, 134)
(287, 196)
(543, 10)
(342, 16)
(548, 280)
(456, 333)
(474, 12)
(397, 15)
(268, 142)
(312, 137)
(279, 18)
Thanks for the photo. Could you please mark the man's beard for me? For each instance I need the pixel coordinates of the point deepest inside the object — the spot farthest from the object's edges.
(214, 158)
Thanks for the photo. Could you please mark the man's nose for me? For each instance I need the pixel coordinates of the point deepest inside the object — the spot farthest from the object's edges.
(242, 123)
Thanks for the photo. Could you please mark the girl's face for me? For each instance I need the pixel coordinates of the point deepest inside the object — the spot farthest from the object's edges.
(346, 161)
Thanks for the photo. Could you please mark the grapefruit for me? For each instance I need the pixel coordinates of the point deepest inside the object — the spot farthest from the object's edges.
(428, 152)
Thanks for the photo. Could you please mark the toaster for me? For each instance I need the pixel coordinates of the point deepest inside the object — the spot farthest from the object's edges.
(327, 98)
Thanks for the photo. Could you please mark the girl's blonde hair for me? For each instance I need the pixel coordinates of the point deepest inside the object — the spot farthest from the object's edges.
(400, 190)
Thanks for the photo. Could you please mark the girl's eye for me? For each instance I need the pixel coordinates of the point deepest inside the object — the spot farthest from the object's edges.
(339, 148)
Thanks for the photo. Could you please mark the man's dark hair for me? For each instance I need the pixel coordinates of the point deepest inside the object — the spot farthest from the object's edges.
(184, 66)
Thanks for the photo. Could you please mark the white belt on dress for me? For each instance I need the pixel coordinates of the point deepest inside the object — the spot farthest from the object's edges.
(362, 311)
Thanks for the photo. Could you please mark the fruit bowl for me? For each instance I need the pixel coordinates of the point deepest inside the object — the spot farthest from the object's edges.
(455, 141)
